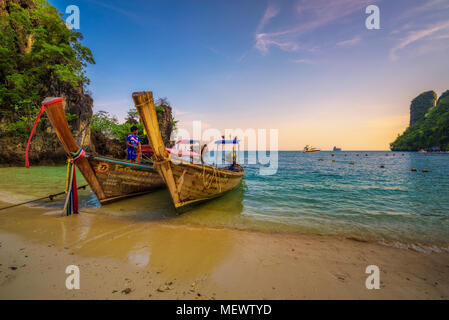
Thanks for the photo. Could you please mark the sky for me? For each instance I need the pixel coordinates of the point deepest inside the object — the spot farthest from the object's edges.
(308, 68)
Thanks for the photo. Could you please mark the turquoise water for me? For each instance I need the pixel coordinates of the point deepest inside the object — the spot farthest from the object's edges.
(306, 195)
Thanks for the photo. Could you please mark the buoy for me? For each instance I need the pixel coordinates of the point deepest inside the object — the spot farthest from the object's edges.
(366, 154)
(351, 162)
(333, 160)
(320, 159)
(357, 154)
(425, 170)
(382, 166)
(413, 169)
(332, 154)
(345, 155)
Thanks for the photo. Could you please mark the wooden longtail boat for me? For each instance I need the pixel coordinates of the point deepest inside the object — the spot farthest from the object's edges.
(110, 179)
(188, 183)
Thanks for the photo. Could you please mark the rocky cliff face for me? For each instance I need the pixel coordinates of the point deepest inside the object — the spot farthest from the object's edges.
(429, 124)
(421, 105)
(444, 95)
(45, 147)
(26, 4)
(165, 119)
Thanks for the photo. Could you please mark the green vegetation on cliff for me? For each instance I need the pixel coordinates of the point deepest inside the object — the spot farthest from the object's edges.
(429, 129)
(108, 125)
(39, 56)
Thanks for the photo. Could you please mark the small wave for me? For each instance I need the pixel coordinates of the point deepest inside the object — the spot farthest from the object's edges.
(418, 247)
(14, 198)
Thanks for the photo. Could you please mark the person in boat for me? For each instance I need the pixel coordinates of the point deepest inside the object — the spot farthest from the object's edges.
(133, 144)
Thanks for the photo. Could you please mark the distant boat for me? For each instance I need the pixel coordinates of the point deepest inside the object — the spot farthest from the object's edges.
(310, 149)
(336, 149)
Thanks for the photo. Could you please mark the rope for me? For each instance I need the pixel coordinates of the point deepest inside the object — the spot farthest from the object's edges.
(51, 196)
(141, 104)
(78, 155)
(215, 176)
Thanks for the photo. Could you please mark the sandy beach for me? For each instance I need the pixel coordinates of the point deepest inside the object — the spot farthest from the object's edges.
(121, 258)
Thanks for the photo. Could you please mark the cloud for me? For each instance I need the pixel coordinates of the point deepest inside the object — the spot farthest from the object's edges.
(434, 6)
(302, 61)
(270, 13)
(350, 42)
(417, 35)
(129, 14)
(264, 41)
(312, 15)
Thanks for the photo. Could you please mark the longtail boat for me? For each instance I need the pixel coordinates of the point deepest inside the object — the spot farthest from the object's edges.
(188, 183)
(110, 179)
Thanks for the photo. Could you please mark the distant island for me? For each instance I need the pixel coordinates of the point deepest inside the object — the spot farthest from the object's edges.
(429, 124)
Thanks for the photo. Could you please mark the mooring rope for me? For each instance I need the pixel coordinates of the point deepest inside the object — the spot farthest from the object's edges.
(51, 196)
(215, 176)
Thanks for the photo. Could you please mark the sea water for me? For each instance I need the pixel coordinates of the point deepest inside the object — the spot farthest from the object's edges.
(378, 197)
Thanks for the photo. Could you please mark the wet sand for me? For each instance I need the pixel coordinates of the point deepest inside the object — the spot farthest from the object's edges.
(126, 258)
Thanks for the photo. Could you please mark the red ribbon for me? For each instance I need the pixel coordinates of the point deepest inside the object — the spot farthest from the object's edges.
(27, 162)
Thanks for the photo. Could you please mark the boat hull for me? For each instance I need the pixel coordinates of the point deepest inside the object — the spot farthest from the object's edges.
(196, 183)
(121, 179)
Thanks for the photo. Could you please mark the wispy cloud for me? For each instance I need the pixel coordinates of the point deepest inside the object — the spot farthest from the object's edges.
(302, 61)
(271, 12)
(417, 35)
(264, 41)
(350, 42)
(312, 15)
(129, 14)
(432, 6)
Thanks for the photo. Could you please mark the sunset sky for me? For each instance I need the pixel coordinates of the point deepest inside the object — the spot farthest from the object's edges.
(309, 68)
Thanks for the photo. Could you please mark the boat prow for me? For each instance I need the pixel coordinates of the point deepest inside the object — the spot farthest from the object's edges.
(188, 183)
(110, 179)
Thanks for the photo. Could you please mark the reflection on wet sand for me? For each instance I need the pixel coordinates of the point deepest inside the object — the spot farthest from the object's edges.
(177, 250)
(136, 257)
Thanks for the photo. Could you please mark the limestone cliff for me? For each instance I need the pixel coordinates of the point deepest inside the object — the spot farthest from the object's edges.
(45, 147)
(30, 70)
(421, 105)
(429, 124)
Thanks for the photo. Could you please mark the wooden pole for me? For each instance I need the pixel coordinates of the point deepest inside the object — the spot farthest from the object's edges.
(55, 112)
(145, 106)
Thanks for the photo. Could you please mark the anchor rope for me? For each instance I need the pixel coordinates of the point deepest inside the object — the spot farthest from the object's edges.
(51, 196)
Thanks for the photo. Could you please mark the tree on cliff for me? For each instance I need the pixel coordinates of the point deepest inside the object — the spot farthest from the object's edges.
(39, 56)
(429, 130)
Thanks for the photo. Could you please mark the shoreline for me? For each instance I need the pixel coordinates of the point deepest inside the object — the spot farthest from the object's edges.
(159, 260)
(429, 247)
